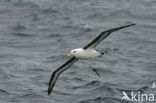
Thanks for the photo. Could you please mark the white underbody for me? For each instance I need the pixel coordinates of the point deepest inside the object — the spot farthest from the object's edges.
(85, 53)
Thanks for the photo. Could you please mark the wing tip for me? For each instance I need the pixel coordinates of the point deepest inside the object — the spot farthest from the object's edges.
(128, 25)
(50, 86)
(49, 91)
(132, 24)
(125, 26)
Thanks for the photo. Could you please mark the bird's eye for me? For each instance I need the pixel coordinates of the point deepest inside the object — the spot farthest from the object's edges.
(74, 51)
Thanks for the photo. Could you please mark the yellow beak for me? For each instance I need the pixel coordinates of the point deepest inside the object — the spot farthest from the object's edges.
(70, 54)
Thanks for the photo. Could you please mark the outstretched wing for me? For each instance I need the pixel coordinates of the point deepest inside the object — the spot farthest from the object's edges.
(56, 73)
(103, 35)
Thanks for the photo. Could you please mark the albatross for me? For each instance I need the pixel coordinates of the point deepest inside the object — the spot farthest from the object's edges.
(86, 52)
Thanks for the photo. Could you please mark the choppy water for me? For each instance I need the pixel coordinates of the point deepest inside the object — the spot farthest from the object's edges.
(36, 35)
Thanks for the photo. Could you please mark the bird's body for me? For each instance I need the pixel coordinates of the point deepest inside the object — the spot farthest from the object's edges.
(87, 52)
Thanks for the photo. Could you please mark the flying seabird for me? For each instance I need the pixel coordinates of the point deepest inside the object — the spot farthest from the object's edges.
(87, 52)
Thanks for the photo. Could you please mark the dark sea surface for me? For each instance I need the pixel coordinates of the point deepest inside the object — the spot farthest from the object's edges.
(36, 35)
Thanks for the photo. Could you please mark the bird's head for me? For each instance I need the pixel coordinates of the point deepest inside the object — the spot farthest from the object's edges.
(74, 52)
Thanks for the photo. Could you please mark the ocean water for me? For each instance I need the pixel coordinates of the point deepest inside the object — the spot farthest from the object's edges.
(36, 35)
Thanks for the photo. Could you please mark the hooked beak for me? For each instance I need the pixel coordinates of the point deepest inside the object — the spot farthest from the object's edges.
(70, 54)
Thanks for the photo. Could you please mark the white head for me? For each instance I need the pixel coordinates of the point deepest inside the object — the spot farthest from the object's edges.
(74, 52)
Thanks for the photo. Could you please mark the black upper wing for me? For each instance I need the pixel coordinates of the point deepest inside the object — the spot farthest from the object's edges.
(103, 35)
(56, 73)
